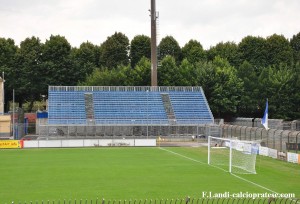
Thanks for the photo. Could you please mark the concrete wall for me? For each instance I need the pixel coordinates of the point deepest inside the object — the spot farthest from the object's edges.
(277, 124)
(89, 143)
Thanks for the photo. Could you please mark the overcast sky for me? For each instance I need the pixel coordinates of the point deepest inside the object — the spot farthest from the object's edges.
(207, 21)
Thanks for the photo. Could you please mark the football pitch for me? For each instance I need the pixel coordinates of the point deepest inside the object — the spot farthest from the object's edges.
(132, 173)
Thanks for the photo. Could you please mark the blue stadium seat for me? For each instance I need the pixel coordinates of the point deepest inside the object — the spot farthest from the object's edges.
(130, 107)
(66, 108)
(140, 107)
(190, 108)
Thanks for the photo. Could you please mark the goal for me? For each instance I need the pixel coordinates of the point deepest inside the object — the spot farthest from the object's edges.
(232, 155)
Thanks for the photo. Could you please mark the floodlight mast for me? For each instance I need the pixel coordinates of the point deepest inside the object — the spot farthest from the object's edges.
(153, 44)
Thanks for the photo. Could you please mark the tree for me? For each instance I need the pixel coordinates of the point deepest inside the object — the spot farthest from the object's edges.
(249, 100)
(98, 78)
(140, 47)
(107, 77)
(87, 53)
(56, 48)
(59, 68)
(193, 52)
(85, 59)
(227, 50)
(296, 95)
(295, 44)
(114, 51)
(221, 86)
(30, 74)
(278, 50)
(278, 85)
(187, 74)
(253, 50)
(169, 46)
(8, 51)
(168, 72)
(141, 74)
(205, 74)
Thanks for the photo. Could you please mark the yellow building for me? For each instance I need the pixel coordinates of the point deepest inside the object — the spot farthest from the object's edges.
(5, 125)
(1, 96)
(5, 120)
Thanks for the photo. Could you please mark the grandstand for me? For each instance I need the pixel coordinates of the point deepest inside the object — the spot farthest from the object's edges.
(74, 109)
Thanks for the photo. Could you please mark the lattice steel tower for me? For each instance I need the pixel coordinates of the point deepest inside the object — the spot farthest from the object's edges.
(154, 17)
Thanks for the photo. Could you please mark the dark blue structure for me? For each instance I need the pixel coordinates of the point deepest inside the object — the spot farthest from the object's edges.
(128, 105)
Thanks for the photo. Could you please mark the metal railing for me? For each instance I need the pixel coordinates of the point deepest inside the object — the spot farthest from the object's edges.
(121, 130)
(171, 201)
(126, 88)
(124, 121)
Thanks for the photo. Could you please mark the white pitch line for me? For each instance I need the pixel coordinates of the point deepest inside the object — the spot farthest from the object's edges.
(182, 155)
(254, 183)
(265, 188)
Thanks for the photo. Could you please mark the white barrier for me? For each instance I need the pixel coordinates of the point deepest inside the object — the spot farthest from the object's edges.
(292, 157)
(50, 143)
(273, 153)
(145, 142)
(289, 156)
(72, 143)
(31, 144)
(89, 143)
(264, 151)
(122, 142)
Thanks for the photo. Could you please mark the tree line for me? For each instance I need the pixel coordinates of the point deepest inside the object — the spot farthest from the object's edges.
(237, 78)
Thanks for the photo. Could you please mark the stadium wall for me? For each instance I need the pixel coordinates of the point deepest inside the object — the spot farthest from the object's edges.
(278, 124)
(282, 140)
(89, 143)
(275, 143)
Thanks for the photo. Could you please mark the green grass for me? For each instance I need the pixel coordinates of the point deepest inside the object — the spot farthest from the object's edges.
(129, 173)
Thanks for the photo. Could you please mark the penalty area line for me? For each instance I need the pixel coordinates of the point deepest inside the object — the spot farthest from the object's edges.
(243, 179)
(181, 155)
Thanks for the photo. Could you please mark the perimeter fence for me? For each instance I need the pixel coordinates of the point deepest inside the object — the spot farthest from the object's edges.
(172, 201)
(281, 140)
(125, 131)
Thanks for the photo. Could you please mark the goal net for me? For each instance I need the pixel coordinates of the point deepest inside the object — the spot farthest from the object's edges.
(234, 156)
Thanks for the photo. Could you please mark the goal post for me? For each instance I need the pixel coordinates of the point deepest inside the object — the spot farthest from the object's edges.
(232, 155)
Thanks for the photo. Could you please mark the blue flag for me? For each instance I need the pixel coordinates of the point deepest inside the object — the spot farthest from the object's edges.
(264, 120)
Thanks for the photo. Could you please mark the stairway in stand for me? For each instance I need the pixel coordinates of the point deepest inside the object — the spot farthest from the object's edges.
(168, 108)
(89, 108)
